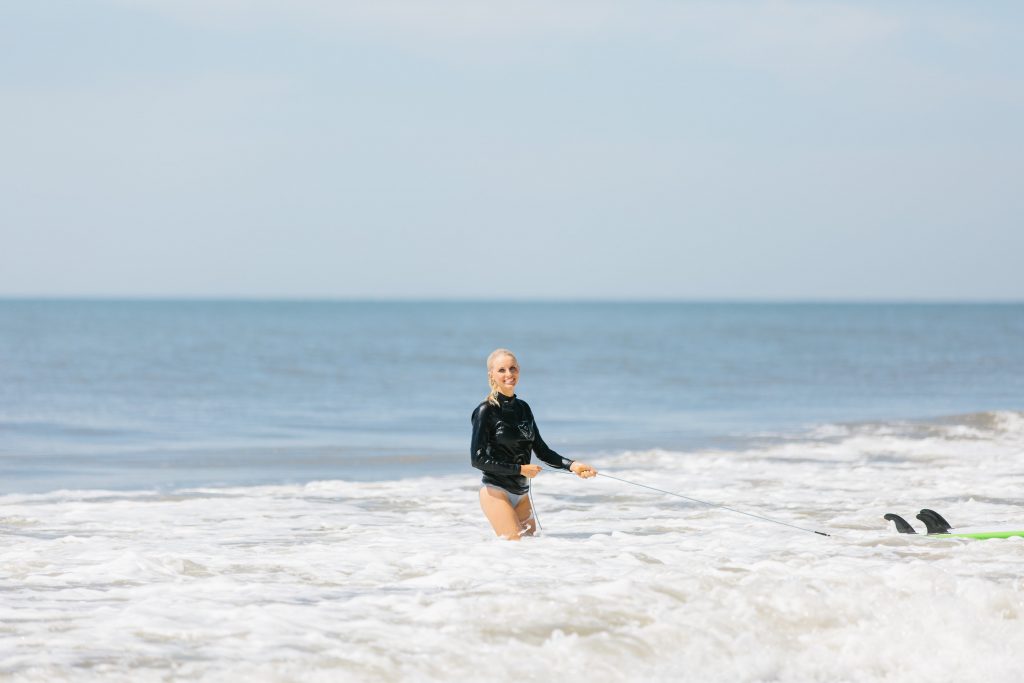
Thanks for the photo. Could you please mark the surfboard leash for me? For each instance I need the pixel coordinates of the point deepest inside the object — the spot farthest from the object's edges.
(707, 503)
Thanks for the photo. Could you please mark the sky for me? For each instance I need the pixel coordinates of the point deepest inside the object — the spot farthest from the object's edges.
(531, 149)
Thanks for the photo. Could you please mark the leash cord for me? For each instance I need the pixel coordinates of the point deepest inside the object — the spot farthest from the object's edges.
(704, 502)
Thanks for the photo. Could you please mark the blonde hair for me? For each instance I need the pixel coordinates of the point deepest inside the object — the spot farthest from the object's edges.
(492, 397)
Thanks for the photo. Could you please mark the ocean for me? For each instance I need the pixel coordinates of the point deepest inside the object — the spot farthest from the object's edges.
(203, 490)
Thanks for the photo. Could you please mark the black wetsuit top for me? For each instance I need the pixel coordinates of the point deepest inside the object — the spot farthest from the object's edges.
(503, 437)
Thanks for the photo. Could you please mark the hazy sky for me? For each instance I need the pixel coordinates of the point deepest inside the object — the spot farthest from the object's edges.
(530, 148)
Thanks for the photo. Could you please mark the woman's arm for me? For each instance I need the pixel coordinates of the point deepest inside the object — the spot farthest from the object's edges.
(545, 453)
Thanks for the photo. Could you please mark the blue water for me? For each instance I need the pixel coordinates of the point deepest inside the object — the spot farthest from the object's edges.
(160, 394)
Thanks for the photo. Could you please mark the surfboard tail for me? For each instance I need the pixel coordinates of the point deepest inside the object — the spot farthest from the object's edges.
(938, 526)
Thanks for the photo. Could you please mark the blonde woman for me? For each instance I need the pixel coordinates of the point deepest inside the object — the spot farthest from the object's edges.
(504, 436)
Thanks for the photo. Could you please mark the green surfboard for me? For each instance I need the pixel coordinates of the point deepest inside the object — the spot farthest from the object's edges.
(979, 534)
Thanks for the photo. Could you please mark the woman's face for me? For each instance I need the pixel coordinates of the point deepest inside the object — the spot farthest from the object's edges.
(504, 373)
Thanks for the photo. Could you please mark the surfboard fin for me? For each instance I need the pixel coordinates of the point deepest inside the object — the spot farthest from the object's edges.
(901, 524)
(934, 521)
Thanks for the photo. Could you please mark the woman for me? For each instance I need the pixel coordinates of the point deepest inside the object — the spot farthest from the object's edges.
(504, 434)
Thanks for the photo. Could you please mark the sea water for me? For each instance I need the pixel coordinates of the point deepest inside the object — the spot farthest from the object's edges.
(281, 491)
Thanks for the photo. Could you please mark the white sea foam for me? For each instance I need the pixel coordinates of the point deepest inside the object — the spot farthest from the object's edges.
(402, 580)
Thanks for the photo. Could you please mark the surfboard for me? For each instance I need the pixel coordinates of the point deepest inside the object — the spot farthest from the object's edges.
(938, 527)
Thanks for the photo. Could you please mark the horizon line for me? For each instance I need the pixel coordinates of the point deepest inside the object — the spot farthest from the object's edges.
(525, 300)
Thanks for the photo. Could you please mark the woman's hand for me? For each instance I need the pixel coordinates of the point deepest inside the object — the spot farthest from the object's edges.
(530, 471)
(582, 470)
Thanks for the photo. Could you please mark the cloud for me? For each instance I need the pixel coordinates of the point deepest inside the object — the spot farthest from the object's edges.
(875, 46)
(750, 32)
(794, 40)
(790, 34)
